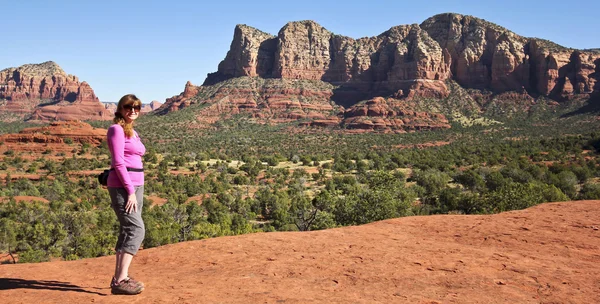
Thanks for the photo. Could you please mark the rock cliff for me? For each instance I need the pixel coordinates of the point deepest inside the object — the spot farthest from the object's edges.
(305, 50)
(45, 92)
(403, 64)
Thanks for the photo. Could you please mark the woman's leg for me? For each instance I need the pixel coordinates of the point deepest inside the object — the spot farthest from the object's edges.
(117, 265)
(131, 230)
(123, 261)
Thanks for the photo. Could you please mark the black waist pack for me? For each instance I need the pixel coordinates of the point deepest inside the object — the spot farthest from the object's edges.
(103, 177)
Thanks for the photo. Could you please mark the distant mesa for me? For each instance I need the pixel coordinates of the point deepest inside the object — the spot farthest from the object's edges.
(55, 137)
(110, 106)
(180, 101)
(44, 92)
(309, 74)
(154, 105)
(146, 108)
(58, 132)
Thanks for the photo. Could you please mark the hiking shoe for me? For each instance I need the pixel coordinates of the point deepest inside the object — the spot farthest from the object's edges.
(131, 279)
(113, 282)
(126, 287)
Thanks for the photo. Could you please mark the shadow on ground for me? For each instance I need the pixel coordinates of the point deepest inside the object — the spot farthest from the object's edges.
(8, 283)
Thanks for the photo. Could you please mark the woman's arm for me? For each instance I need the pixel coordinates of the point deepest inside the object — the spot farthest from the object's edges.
(116, 144)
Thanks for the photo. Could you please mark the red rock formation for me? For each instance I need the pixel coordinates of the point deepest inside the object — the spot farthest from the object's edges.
(408, 62)
(180, 101)
(587, 72)
(483, 55)
(548, 64)
(271, 100)
(154, 105)
(111, 106)
(250, 54)
(391, 115)
(55, 137)
(47, 93)
(474, 52)
(57, 132)
(403, 54)
(302, 51)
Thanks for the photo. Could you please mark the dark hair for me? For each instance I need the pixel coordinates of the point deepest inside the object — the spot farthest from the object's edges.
(130, 100)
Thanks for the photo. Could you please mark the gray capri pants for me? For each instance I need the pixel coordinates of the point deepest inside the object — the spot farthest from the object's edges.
(131, 228)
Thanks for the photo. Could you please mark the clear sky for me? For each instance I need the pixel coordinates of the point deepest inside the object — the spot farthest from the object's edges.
(152, 48)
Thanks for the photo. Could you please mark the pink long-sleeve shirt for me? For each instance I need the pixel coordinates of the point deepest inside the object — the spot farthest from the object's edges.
(126, 153)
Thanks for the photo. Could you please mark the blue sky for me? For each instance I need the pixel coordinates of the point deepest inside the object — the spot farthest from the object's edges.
(152, 48)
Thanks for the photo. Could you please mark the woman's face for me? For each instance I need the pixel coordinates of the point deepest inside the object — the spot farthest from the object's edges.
(130, 112)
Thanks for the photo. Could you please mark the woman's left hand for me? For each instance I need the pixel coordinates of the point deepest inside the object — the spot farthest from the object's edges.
(131, 204)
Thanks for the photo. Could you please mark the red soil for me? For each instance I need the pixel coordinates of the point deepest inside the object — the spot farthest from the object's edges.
(23, 198)
(546, 254)
(156, 201)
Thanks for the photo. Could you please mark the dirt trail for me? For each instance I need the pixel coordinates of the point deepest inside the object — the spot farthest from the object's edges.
(546, 254)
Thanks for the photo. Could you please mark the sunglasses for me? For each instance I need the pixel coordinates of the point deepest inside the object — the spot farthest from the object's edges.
(130, 107)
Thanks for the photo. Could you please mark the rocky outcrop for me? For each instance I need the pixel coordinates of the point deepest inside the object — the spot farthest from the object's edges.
(45, 92)
(110, 106)
(263, 100)
(251, 54)
(154, 105)
(483, 55)
(308, 103)
(476, 53)
(389, 62)
(302, 51)
(391, 115)
(55, 141)
(58, 132)
(487, 56)
(180, 101)
(564, 73)
(407, 63)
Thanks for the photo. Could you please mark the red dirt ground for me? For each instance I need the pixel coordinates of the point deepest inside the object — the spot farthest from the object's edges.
(546, 254)
(156, 201)
(23, 198)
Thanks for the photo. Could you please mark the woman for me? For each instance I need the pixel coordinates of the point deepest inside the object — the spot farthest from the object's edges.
(126, 189)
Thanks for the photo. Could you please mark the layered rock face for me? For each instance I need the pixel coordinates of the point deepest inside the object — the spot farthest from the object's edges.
(58, 132)
(487, 56)
(60, 136)
(251, 54)
(307, 102)
(265, 100)
(391, 116)
(476, 53)
(389, 62)
(483, 55)
(560, 72)
(180, 101)
(45, 92)
(399, 56)
(406, 63)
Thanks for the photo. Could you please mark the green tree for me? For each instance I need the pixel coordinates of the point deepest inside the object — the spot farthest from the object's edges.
(590, 192)
(8, 236)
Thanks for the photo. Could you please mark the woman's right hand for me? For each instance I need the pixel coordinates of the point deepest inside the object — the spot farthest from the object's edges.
(132, 204)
